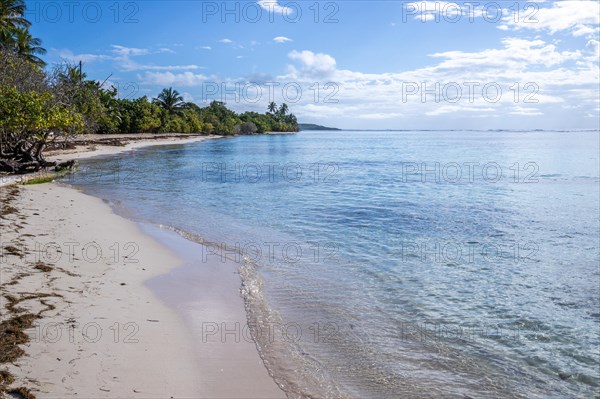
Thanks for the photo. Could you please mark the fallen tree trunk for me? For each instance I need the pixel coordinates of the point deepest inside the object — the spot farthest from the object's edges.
(21, 167)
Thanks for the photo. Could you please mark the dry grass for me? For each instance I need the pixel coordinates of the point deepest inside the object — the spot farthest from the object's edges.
(13, 251)
(5, 378)
(8, 210)
(12, 335)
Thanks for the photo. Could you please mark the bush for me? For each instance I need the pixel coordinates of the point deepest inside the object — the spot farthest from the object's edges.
(28, 120)
(245, 128)
(19, 73)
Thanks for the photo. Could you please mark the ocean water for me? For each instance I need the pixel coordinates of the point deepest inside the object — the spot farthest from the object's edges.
(393, 264)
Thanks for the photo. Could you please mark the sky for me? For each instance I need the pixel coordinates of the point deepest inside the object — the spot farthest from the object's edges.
(348, 64)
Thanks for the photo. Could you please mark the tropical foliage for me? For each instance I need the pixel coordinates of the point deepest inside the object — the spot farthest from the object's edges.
(14, 32)
(28, 120)
(39, 105)
(170, 101)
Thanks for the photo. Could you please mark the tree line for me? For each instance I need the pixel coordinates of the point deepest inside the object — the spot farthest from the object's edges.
(40, 104)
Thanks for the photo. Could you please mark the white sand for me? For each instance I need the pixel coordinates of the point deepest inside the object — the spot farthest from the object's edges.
(109, 335)
(97, 150)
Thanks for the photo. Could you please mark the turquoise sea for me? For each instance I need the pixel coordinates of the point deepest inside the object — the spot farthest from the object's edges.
(393, 264)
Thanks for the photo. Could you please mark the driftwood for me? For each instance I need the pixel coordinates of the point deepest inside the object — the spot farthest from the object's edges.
(18, 167)
(23, 153)
(68, 165)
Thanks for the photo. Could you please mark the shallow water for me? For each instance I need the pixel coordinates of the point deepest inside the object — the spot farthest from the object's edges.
(394, 264)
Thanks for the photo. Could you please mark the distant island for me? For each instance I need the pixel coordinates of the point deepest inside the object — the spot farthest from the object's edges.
(312, 126)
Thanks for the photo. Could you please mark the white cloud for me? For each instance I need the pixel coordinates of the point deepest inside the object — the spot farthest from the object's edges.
(457, 109)
(122, 57)
(448, 11)
(578, 17)
(187, 97)
(273, 7)
(185, 79)
(226, 41)
(594, 45)
(525, 111)
(313, 64)
(140, 67)
(205, 47)
(538, 81)
(129, 51)
(71, 57)
(516, 53)
(282, 39)
(584, 30)
(124, 54)
(312, 110)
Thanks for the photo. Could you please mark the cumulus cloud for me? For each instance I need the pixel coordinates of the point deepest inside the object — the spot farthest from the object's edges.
(516, 53)
(226, 41)
(313, 64)
(536, 79)
(577, 17)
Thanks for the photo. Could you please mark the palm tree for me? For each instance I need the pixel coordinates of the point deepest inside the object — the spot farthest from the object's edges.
(272, 107)
(72, 73)
(283, 109)
(170, 100)
(28, 47)
(12, 16)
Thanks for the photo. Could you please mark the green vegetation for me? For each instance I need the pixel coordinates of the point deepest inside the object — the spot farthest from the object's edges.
(40, 180)
(14, 32)
(31, 116)
(311, 126)
(40, 106)
(47, 177)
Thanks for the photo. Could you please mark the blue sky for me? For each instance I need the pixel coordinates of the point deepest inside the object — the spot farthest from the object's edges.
(351, 64)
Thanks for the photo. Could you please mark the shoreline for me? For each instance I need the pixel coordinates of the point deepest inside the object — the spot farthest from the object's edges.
(91, 146)
(111, 327)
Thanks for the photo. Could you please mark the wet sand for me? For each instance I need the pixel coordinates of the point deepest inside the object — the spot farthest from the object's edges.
(119, 309)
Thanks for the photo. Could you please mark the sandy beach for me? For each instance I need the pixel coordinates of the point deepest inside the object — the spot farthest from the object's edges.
(113, 309)
(90, 145)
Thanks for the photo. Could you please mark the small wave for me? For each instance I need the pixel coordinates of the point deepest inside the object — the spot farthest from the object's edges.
(294, 370)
